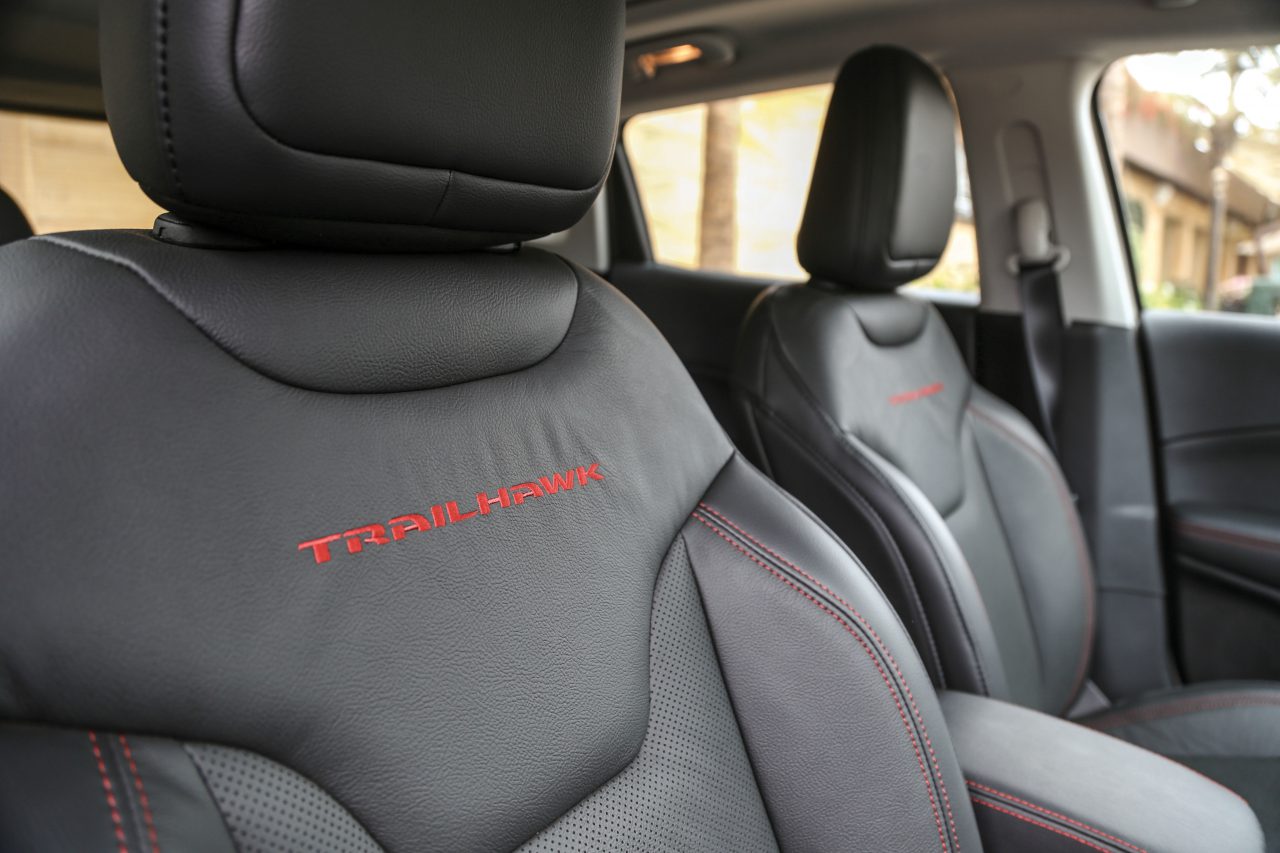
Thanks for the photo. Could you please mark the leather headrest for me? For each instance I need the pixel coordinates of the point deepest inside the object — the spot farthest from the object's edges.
(882, 199)
(387, 124)
(13, 224)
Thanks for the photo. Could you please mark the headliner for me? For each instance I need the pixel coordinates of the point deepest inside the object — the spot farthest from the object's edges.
(49, 57)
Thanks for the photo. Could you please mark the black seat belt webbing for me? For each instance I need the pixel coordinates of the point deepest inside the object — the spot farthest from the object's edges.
(1043, 328)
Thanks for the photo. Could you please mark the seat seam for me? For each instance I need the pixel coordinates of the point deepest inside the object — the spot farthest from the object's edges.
(1025, 819)
(171, 152)
(937, 553)
(683, 539)
(886, 540)
(797, 378)
(879, 642)
(108, 790)
(1084, 562)
(926, 776)
(148, 819)
(448, 184)
(806, 393)
(1177, 708)
(1051, 813)
(1200, 530)
(136, 270)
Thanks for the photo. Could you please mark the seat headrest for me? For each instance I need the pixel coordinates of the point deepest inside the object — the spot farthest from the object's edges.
(403, 125)
(882, 199)
(13, 223)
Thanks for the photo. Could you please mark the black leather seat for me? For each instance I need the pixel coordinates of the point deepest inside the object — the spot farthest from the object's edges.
(327, 527)
(13, 222)
(859, 403)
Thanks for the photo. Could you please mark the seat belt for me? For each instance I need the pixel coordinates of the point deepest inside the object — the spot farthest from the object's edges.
(1037, 265)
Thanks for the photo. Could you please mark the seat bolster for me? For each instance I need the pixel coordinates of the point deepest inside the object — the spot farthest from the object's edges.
(833, 702)
(874, 509)
(1041, 783)
(72, 789)
(1217, 719)
(1037, 517)
(1226, 730)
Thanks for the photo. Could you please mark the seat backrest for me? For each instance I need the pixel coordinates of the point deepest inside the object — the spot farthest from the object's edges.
(313, 546)
(860, 404)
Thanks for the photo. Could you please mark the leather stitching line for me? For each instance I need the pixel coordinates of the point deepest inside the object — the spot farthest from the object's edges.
(1043, 825)
(147, 818)
(1178, 708)
(1050, 813)
(798, 380)
(1204, 531)
(892, 487)
(882, 533)
(108, 791)
(880, 644)
(893, 693)
(171, 153)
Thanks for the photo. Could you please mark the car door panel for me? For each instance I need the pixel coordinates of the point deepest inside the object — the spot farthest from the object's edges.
(1218, 405)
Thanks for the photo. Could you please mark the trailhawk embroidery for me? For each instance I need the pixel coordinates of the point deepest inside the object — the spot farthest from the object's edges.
(448, 513)
(918, 394)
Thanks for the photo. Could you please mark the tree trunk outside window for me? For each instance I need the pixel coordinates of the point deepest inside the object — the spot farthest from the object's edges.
(718, 222)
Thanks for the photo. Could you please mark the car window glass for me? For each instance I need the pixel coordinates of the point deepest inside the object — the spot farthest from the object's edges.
(66, 176)
(1195, 141)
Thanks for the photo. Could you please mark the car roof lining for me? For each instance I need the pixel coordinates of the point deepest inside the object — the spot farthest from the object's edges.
(49, 52)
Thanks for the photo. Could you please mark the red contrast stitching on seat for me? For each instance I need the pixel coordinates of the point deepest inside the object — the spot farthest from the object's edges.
(1077, 537)
(147, 817)
(924, 772)
(1049, 812)
(112, 805)
(1178, 708)
(1204, 531)
(880, 643)
(1086, 842)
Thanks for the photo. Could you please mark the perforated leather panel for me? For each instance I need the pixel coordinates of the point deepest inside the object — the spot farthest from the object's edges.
(691, 786)
(269, 807)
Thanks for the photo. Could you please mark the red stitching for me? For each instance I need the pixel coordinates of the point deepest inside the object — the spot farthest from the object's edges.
(880, 643)
(112, 805)
(1177, 708)
(1010, 797)
(1042, 825)
(147, 817)
(924, 772)
(1077, 537)
(1204, 531)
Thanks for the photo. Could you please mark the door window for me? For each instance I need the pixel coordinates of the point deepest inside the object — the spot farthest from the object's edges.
(1195, 141)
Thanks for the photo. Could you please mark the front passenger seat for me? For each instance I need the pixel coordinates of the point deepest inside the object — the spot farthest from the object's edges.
(858, 402)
